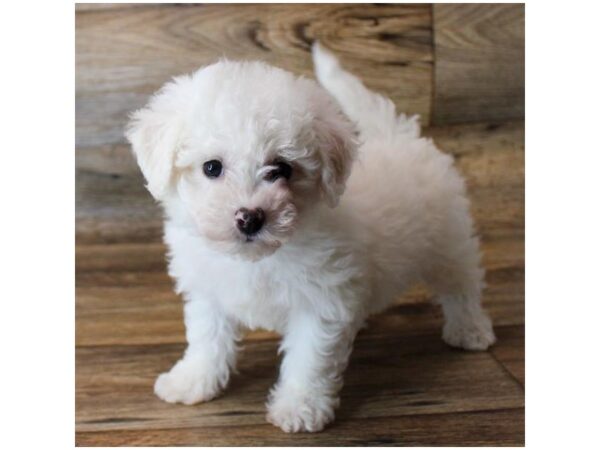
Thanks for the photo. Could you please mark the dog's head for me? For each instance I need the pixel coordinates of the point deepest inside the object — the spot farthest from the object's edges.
(245, 149)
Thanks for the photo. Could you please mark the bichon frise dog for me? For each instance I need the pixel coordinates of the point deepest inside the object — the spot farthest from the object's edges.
(250, 164)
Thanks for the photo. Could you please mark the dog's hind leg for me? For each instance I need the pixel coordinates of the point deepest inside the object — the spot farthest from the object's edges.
(457, 279)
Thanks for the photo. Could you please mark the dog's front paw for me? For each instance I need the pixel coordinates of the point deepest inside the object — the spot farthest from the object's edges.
(476, 334)
(293, 411)
(186, 383)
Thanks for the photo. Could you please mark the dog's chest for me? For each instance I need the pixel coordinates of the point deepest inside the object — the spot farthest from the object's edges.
(320, 275)
(260, 297)
(258, 294)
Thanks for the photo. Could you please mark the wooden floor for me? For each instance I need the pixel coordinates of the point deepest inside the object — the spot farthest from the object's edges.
(404, 386)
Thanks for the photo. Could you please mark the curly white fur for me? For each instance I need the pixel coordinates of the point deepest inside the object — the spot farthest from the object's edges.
(315, 271)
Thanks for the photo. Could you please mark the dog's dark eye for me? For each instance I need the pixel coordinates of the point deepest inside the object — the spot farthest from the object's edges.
(281, 170)
(213, 168)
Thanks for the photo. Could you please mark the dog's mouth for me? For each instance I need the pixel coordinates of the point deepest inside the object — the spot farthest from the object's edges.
(257, 246)
(263, 236)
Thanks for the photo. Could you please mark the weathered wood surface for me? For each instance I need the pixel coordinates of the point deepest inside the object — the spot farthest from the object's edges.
(480, 428)
(397, 388)
(125, 54)
(479, 62)
(459, 63)
(511, 352)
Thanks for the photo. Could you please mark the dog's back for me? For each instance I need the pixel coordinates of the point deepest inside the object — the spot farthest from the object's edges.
(406, 193)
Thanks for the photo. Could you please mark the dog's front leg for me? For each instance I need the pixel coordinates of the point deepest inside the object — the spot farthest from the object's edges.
(210, 356)
(316, 354)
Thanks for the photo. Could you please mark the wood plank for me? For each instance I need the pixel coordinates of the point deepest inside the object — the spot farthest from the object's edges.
(491, 157)
(482, 428)
(115, 208)
(388, 377)
(479, 62)
(115, 159)
(136, 258)
(125, 54)
(510, 352)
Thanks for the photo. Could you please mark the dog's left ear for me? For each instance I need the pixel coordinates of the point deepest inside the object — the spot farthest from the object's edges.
(338, 142)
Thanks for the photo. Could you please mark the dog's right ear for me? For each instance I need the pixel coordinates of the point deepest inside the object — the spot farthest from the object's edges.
(155, 133)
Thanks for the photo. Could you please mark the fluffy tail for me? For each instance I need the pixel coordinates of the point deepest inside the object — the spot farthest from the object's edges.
(374, 114)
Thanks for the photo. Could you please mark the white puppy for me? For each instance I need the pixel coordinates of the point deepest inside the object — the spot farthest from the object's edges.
(250, 163)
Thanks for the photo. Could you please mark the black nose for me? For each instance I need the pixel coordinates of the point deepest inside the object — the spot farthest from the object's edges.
(249, 221)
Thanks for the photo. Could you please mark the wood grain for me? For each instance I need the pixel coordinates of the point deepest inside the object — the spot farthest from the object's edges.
(510, 352)
(115, 208)
(125, 54)
(479, 62)
(396, 387)
(481, 428)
